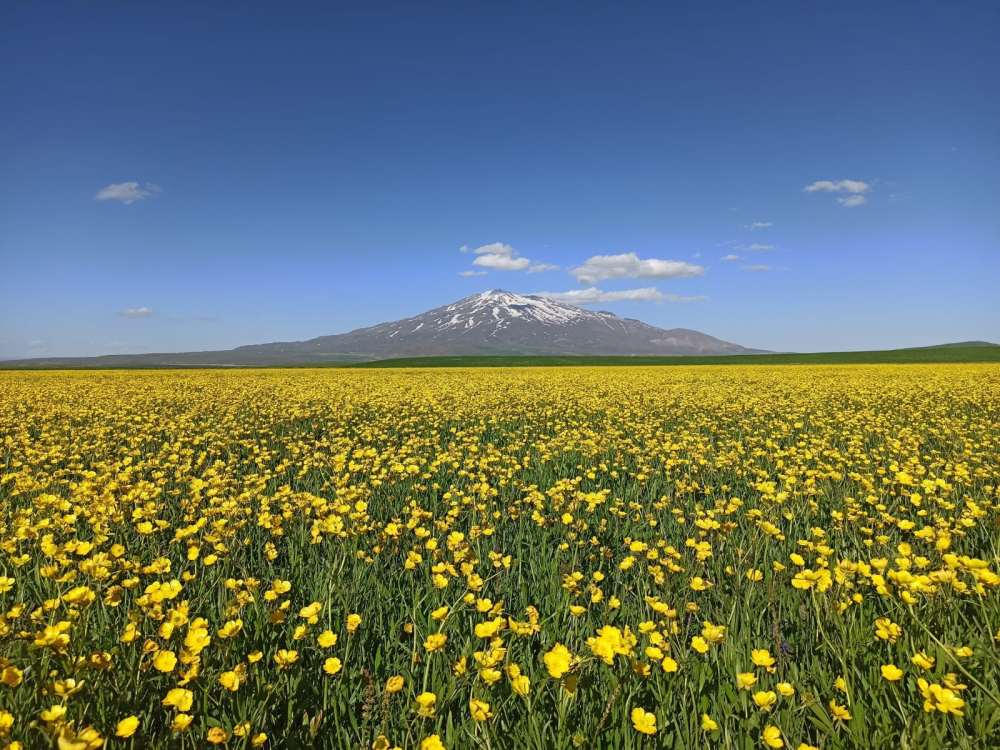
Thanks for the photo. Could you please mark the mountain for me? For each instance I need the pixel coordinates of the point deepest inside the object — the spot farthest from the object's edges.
(494, 322)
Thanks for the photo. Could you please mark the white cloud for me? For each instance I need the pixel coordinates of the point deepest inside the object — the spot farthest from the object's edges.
(850, 186)
(731, 257)
(126, 192)
(500, 262)
(501, 257)
(760, 224)
(495, 248)
(594, 296)
(853, 200)
(629, 266)
(756, 268)
(696, 256)
(136, 312)
(472, 273)
(760, 247)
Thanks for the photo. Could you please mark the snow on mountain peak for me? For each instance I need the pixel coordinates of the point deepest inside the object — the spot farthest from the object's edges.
(500, 304)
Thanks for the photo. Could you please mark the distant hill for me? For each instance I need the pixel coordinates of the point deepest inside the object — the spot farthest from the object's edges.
(490, 323)
(957, 345)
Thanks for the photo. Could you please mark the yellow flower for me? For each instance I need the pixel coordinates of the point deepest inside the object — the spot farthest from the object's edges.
(557, 660)
(197, 640)
(85, 739)
(891, 672)
(11, 676)
(165, 661)
(643, 721)
(353, 623)
(490, 628)
(707, 724)
(480, 710)
(327, 639)
(490, 675)
(440, 613)
(765, 700)
(762, 658)
(839, 712)
(432, 743)
(771, 737)
(746, 680)
(394, 684)
(435, 642)
(521, 684)
(426, 703)
(699, 644)
(668, 664)
(285, 658)
(6, 723)
(231, 629)
(179, 698)
(53, 713)
(258, 739)
(713, 633)
(217, 736)
(309, 613)
(127, 727)
(230, 681)
(332, 665)
(923, 661)
(887, 630)
(786, 689)
(181, 722)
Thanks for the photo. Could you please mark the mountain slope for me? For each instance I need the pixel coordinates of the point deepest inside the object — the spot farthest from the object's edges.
(494, 322)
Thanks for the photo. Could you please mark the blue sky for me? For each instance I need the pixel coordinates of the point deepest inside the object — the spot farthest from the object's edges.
(302, 170)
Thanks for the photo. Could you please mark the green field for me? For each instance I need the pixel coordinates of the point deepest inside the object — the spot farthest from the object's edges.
(927, 355)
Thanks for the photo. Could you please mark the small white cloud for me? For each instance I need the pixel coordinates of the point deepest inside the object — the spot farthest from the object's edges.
(494, 248)
(136, 312)
(760, 224)
(731, 257)
(501, 257)
(760, 247)
(502, 262)
(853, 200)
(629, 266)
(472, 273)
(756, 268)
(594, 296)
(126, 192)
(696, 256)
(850, 186)
(463, 249)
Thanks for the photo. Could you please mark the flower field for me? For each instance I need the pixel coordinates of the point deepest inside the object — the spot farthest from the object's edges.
(715, 557)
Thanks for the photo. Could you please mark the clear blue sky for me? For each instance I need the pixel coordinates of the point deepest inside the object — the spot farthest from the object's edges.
(305, 170)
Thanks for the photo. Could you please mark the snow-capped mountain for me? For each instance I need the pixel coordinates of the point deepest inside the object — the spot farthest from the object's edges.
(500, 322)
(493, 322)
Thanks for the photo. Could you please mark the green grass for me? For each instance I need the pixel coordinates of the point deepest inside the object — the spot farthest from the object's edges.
(894, 356)
(977, 352)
